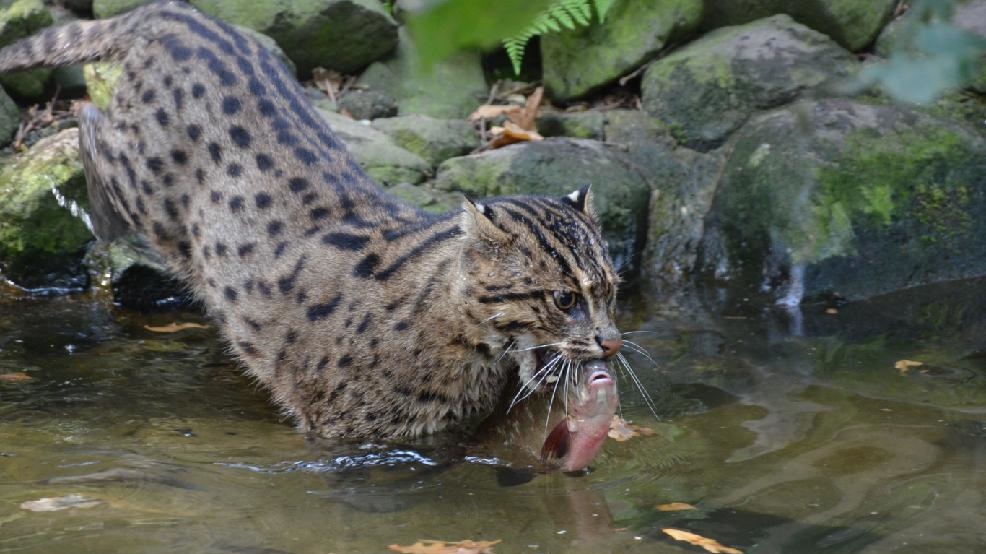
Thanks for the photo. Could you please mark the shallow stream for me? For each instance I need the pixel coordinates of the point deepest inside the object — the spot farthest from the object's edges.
(787, 431)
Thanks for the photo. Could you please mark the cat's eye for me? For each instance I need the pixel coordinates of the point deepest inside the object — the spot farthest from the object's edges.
(565, 300)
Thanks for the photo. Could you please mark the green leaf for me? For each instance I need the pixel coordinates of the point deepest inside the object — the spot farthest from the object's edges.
(443, 27)
(602, 7)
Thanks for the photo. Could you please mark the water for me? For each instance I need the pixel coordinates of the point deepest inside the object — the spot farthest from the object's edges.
(789, 432)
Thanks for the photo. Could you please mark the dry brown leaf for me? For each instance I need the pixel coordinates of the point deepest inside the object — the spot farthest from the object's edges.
(831, 311)
(620, 430)
(903, 366)
(424, 546)
(711, 545)
(674, 507)
(15, 377)
(526, 117)
(174, 327)
(510, 133)
(490, 111)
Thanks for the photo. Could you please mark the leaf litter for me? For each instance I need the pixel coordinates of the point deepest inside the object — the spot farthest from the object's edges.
(174, 327)
(621, 430)
(710, 545)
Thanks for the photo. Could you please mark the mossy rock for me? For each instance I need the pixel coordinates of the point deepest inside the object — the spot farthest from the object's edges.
(588, 124)
(427, 198)
(854, 24)
(376, 153)
(557, 167)
(857, 199)
(19, 19)
(435, 140)
(42, 199)
(344, 35)
(452, 88)
(706, 90)
(576, 62)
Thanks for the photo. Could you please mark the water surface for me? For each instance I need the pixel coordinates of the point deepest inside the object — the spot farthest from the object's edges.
(788, 431)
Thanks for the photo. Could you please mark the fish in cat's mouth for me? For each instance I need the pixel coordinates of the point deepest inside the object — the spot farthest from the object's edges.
(588, 393)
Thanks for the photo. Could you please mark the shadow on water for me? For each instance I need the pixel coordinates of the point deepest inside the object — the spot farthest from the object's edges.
(787, 431)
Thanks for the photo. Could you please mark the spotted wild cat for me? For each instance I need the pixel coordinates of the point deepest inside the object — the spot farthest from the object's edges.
(364, 317)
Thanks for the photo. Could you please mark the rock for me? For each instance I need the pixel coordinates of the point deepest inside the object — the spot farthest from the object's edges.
(452, 89)
(426, 197)
(100, 79)
(836, 197)
(367, 104)
(69, 80)
(852, 23)
(557, 167)
(580, 61)
(10, 119)
(42, 200)
(588, 124)
(19, 19)
(706, 90)
(102, 9)
(271, 45)
(435, 140)
(376, 153)
(344, 35)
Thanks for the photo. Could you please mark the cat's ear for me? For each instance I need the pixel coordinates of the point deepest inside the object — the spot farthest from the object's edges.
(479, 222)
(581, 200)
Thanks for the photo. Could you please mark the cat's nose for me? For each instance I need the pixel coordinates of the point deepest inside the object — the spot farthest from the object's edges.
(610, 346)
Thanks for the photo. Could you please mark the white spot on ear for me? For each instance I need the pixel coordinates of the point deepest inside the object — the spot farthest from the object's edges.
(575, 197)
(480, 208)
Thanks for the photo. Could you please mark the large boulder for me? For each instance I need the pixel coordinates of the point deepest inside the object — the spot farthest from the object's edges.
(42, 199)
(706, 90)
(377, 153)
(557, 167)
(852, 23)
(19, 19)
(452, 88)
(435, 140)
(578, 61)
(344, 35)
(841, 198)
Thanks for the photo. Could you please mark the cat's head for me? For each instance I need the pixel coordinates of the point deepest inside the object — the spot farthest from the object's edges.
(541, 279)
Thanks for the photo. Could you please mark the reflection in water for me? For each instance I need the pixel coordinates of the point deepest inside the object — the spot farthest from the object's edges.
(787, 436)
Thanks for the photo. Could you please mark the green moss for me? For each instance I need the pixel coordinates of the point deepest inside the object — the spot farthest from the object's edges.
(881, 180)
(21, 18)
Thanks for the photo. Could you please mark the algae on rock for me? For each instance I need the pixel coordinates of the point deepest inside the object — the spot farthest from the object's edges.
(864, 199)
(42, 199)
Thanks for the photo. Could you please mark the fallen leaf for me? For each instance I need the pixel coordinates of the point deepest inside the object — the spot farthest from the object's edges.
(174, 327)
(328, 81)
(15, 377)
(490, 111)
(620, 430)
(526, 117)
(674, 507)
(59, 503)
(711, 545)
(511, 133)
(441, 547)
(831, 311)
(903, 366)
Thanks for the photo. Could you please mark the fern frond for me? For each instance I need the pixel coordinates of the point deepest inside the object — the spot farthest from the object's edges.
(563, 14)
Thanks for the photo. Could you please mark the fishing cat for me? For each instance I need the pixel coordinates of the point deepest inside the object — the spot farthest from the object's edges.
(364, 317)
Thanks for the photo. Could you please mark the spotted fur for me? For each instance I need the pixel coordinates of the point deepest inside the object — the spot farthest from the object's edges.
(364, 317)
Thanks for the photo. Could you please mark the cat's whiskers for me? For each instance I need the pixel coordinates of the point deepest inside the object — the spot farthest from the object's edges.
(648, 399)
(528, 388)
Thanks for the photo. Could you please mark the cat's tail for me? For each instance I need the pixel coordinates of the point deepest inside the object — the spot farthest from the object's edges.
(82, 41)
